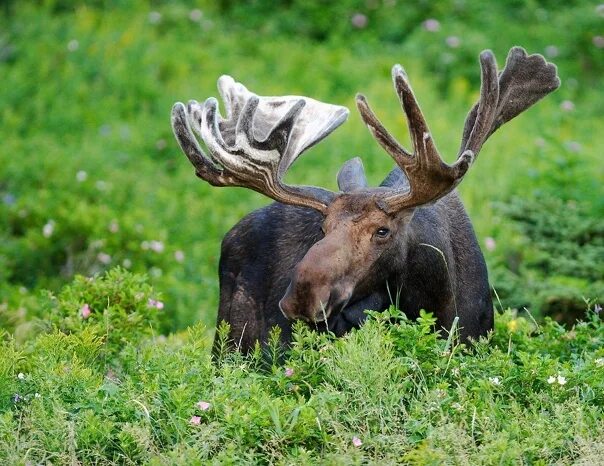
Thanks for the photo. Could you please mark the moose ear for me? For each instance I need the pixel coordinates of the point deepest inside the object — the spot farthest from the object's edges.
(351, 176)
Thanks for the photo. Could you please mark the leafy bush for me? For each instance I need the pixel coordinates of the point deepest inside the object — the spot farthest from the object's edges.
(556, 267)
(392, 390)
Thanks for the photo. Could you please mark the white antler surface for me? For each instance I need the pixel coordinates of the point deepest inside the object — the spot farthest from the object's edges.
(257, 140)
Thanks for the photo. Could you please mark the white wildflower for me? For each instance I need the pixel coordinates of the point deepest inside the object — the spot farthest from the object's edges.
(48, 229)
(81, 176)
(495, 380)
(73, 45)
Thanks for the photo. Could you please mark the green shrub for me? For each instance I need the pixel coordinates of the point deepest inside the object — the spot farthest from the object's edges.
(107, 389)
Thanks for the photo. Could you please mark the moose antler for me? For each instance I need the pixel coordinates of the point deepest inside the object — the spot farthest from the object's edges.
(524, 81)
(257, 142)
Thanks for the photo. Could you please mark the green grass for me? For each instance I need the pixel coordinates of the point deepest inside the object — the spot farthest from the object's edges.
(103, 108)
(106, 389)
(92, 179)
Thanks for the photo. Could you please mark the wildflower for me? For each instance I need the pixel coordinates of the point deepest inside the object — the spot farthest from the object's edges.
(204, 405)
(21, 376)
(9, 199)
(600, 9)
(85, 311)
(495, 380)
(561, 379)
(489, 243)
(73, 45)
(598, 41)
(573, 146)
(103, 258)
(127, 263)
(431, 25)
(356, 441)
(359, 21)
(155, 303)
(567, 106)
(551, 51)
(597, 308)
(195, 15)
(195, 420)
(513, 325)
(154, 17)
(81, 176)
(556, 378)
(156, 246)
(17, 398)
(105, 130)
(179, 256)
(48, 229)
(161, 144)
(453, 41)
(289, 372)
(540, 142)
(114, 226)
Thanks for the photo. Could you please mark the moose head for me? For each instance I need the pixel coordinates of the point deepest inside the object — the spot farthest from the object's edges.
(261, 137)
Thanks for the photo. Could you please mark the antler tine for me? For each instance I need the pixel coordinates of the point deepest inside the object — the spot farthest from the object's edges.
(423, 145)
(484, 112)
(525, 80)
(429, 176)
(204, 168)
(240, 156)
(381, 134)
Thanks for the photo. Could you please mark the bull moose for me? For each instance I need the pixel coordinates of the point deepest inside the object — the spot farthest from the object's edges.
(326, 257)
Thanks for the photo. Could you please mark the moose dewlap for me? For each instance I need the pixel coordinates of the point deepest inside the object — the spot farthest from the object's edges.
(326, 257)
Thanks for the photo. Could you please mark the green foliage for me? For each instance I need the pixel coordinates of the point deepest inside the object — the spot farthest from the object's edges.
(557, 265)
(392, 391)
(92, 180)
(118, 306)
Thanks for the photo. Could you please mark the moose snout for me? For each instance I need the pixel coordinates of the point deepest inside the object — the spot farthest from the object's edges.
(313, 304)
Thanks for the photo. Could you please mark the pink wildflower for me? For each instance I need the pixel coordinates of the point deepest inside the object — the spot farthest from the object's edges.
(155, 303)
(204, 405)
(195, 420)
(431, 25)
(289, 372)
(85, 311)
(359, 21)
(356, 441)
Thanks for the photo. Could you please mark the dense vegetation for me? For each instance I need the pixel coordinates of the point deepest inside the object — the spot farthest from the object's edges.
(96, 385)
(91, 179)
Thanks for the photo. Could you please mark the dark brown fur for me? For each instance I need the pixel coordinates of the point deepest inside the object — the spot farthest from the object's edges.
(257, 256)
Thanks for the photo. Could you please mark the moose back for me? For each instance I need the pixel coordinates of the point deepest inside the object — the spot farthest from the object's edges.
(325, 257)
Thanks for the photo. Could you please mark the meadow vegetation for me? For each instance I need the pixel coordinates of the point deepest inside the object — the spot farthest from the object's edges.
(109, 365)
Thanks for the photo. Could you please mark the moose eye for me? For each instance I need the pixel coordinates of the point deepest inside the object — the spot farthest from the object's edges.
(382, 232)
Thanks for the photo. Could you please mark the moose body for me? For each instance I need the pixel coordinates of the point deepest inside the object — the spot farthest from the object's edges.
(326, 257)
(435, 265)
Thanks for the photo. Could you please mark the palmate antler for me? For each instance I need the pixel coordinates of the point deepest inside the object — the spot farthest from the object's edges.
(524, 81)
(257, 142)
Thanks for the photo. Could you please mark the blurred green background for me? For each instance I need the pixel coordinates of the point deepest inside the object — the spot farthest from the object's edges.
(91, 177)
